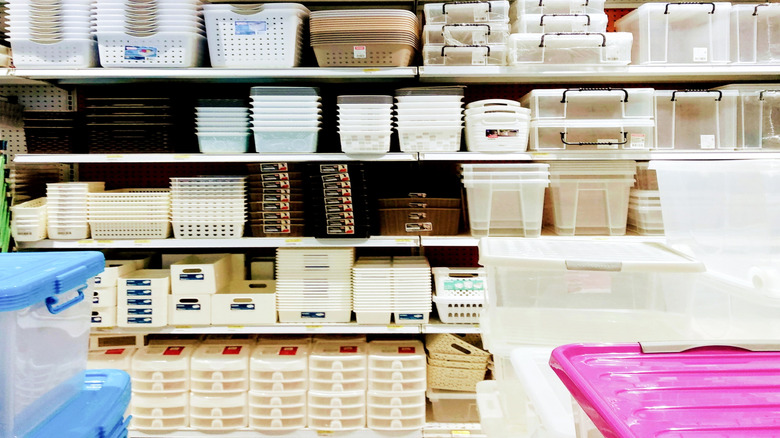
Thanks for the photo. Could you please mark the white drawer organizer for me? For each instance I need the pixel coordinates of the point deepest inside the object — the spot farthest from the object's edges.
(255, 35)
(466, 34)
(758, 115)
(396, 385)
(460, 294)
(337, 385)
(522, 7)
(696, 119)
(570, 50)
(161, 379)
(679, 33)
(754, 33)
(245, 302)
(549, 23)
(590, 103)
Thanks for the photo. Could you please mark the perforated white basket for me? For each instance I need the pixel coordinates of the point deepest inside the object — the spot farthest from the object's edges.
(429, 139)
(207, 230)
(365, 142)
(75, 53)
(130, 229)
(164, 49)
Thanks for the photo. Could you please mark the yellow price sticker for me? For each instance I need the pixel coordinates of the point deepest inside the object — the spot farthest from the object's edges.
(394, 326)
(183, 326)
(235, 327)
(181, 157)
(114, 157)
(313, 327)
(86, 242)
(293, 241)
(404, 241)
(371, 70)
(143, 242)
(460, 433)
(324, 433)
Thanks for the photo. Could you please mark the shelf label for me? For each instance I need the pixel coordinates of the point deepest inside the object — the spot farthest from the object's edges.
(183, 326)
(235, 327)
(104, 242)
(182, 157)
(114, 157)
(293, 242)
(313, 327)
(324, 433)
(86, 242)
(142, 242)
(359, 52)
(460, 433)
(394, 326)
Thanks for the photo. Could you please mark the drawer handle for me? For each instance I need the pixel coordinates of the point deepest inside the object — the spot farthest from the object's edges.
(469, 25)
(603, 37)
(444, 6)
(445, 48)
(593, 143)
(666, 9)
(541, 3)
(582, 90)
(755, 10)
(761, 94)
(55, 307)
(541, 21)
(692, 90)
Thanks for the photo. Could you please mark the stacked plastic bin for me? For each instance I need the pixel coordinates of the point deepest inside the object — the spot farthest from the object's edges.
(753, 28)
(278, 380)
(429, 119)
(142, 298)
(104, 298)
(455, 362)
(365, 123)
(286, 119)
(567, 33)
(208, 207)
(644, 212)
(466, 33)
(391, 287)
(337, 385)
(219, 381)
(696, 119)
(67, 209)
(28, 220)
(505, 199)
(276, 200)
(497, 125)
(222, 126)
(758, 108)
(396, 385)
(195, 280)
(130, 214)
(339, 199)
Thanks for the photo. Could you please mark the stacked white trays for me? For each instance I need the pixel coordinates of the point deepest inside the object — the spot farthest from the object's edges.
(457, 33)
(412, 290)
(589, 197)
(679, 33)
(591, 119)
(28, 220)
(429, 119)
(396, 385)
(385, 287)
(130, 214)
(314, 285)
(696, 119)
(644, 212)
(52, 34)
(758, 115)
(505, 199)
(754, 33)
(150, 33)
(286, 119)
(161, 382)
(337, 385)
(365, 123)
(222, 126)
(278, 380)
(460, 294)
(105, 294)
(67, 209)
(497, 125)
(255, 35)
(208, 207)
(219, 381)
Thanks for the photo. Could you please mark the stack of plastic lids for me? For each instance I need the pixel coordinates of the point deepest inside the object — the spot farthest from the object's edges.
(51, 132)
(411, 290)
(52, 34)
(208, 207)
(67, 208)
(497, 125)
(365, 123)
(644, 212)
(429, 119)
(278, 380)
(460, 294)
(505, 199)
(463, 33)
(219, 381)
(150, 33)
(161, 383)
(385, 287)
(364, 37)
(129, 124)
(396, 385)
(286, 119)
(371, 299)
(130, 214)
(276, 200)
(338, 200)
(97, 411)
(28, 220)
(222, 126)
(337, 385)
(314, 285)
(255, 35)
(589, 197)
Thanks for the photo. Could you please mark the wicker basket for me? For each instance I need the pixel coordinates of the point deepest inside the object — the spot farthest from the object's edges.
(454, 379)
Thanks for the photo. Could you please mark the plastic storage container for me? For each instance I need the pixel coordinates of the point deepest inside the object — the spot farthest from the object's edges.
(460, 294)
(523, 7)
(696, 119)
(500, 130)
(754, 33)
(466, 34)
(493, 11)
(626, 134)
(679, 33)
(435, 54)
(758, 115)
(590, 103)
(550, 23)
(45, 323)
(453, 406)
(589, 51)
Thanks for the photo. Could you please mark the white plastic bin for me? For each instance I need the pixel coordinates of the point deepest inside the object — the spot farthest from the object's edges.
(453, 406)
(576, 50)
(200, 274)
(142, 298)
(590, 103)
(758, 115)
(163, 49)
(506, 207)
(113, 270)
(465, 34)
(493, 11)
(549, 23)
(436, 54)
(754, 33)
(696, 119)
(523, 7)
(189, 309)
(245, 302)
(610, 134)
(679, 33)
(460, 294)
(498, 131)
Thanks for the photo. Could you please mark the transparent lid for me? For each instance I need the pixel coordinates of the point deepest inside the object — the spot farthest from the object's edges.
(455, 90)
(364, 99)
(285, 91)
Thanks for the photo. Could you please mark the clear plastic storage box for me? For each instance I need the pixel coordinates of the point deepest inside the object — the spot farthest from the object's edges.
(696, 119)
(466, 34)
(549, 23)
(573, 50)
(590, 103)
(492, 11)
(523, 7)
(551, 135)
(435, 54)
(754, 33)
(758, 115)
(679, 33)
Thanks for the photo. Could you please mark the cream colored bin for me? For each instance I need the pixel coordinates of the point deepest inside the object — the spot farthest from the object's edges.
(192, 309)
(200, 274)
(246, 302)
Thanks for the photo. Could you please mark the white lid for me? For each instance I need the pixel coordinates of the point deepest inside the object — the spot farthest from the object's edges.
(339, 348)
(593, 123)
(162, 358)
(273, 357)
(396, 349)
(221, 357)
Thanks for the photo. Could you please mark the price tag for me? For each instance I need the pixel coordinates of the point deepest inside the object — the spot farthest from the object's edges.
(460, 433)
(142, 242)
(114, 157)
(404, 241)
(359, 52)
(182, 157)
(637, 141)
(86, 242)
(104, 242)
(371, 70)
(478, 57)
(183, 326)
(235, 327)
(394, 326)
(324, 433)
(313, 327)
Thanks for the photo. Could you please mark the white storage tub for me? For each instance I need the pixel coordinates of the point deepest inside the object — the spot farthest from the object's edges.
(573, 50)
(493, 11)
(590, 103)
(696, 119)
(549, 23)
(679, 33)
(466, 34)
(754, 33)
(758, 115)
(245, 302)
(453, 406)
(523, 7)
(506, 207)
(436, 54)
(164, 49)
(627, 134)
(498, 130)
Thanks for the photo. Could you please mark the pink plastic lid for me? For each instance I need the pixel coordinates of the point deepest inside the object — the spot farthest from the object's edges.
(704, 392)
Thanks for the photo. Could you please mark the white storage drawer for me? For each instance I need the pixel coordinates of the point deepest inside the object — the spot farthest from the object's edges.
(696, 119)
(755, 33)
(679, 33)
(547, 23)
(435, 54)
(554, 135)
(758, 115)
(493, 11)
(580, 50)
(522, 7)
(590, 103)
(466, 34)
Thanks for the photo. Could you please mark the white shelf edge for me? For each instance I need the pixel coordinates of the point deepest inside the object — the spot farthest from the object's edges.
(602, 155)
(470, 241)
(244, 242)
(303, 433)
(279, 328)
(205, 158)
(440, 327)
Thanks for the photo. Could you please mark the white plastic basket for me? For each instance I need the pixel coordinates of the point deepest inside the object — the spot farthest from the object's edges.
(207, 230)
(130, 229)
(28, 222)
(429, 139)
(497, 132)
(56, 231)
(365, 142)
(459, 310)
(164, 49)
(66, 53)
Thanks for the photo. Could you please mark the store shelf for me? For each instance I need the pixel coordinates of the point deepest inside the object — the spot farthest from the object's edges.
(602, 155)
(305, 433)
(633, 74)
(287, 329)
(245, 242)
(204, 158)
(440, 327)
(467, 240)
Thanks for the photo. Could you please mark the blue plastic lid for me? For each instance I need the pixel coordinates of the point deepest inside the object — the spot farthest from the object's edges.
(97, 411)
(28, 278)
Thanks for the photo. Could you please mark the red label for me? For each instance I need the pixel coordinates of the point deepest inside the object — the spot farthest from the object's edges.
(288, 351)
(173, 351)
(115, 351)
(348, 350)
(405, 350)
(232, 350)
